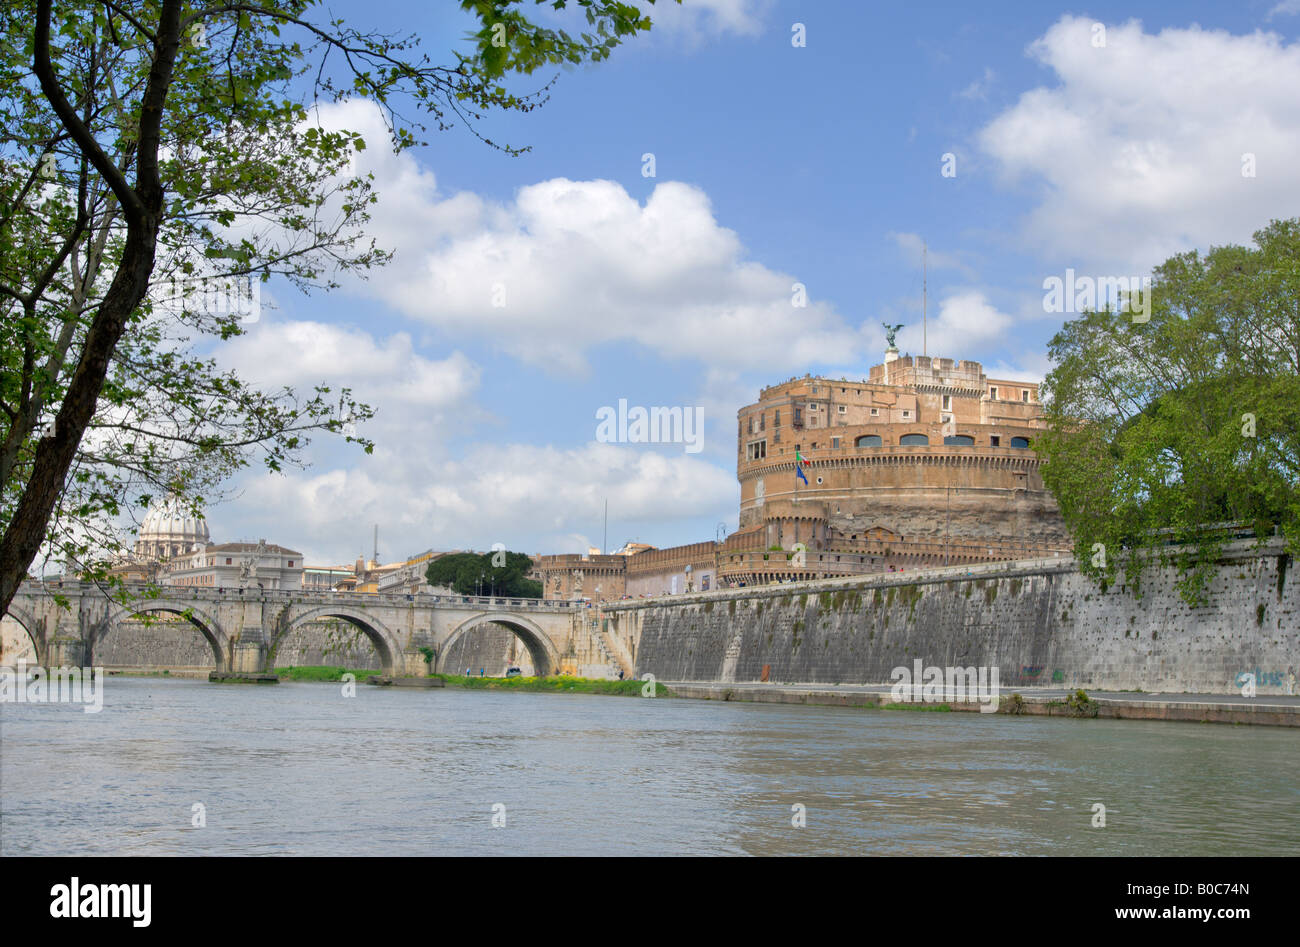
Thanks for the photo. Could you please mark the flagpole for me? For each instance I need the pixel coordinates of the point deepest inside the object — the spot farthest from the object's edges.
(796, 498)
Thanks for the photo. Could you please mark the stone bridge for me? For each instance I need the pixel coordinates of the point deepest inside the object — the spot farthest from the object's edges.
(245, 627)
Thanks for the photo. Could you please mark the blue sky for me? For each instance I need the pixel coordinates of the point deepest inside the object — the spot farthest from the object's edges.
(773, 164)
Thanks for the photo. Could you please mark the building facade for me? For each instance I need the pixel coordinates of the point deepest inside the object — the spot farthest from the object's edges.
(237, 565)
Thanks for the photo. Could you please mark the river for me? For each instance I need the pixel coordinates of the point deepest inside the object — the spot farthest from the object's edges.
(300, 769)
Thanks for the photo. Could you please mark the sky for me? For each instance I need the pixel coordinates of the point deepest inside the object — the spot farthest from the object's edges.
(529, 293)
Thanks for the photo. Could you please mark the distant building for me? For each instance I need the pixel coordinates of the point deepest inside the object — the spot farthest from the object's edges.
(325, 578)
(369, 576)
(174, 548)
(259, 565)
(409, 576)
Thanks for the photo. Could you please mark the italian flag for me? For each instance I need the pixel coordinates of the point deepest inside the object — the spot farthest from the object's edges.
(800, 462)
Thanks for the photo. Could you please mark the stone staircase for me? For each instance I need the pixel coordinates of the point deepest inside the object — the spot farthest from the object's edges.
(612, 653)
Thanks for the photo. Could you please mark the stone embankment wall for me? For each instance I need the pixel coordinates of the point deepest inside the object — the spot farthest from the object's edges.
(1041, 623)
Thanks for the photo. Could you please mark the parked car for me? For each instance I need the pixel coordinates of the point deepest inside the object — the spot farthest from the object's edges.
(513, 672)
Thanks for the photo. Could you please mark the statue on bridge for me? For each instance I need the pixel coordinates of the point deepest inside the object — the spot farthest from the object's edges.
(248, 568)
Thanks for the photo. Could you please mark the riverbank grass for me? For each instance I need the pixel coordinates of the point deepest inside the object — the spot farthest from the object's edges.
(323, 673)
(560, 684)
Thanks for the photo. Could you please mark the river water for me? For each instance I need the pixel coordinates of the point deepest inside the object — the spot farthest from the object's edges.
(299, 769)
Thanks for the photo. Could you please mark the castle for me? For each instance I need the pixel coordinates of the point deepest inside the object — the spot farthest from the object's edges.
(926, 462)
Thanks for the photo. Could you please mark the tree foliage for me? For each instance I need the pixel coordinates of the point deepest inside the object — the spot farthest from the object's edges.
(155, 145)
(1161, 431)
(470, 574)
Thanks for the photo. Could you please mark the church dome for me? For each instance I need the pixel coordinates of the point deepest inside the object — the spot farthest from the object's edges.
(170, 529)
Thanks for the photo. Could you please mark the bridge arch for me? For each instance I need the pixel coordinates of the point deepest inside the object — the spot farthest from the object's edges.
(386, 643)
(197, 616)
(28, 622)
(546, 657)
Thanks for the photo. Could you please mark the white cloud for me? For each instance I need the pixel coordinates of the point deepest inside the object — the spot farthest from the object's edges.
(1139, 146)
(420, 486)
(568, 265)
(388, 374)
(979, 89)
(1033, 366)
(1285, 8)
(709, 17)
(965, 324)
(532, 498)
(911, 246)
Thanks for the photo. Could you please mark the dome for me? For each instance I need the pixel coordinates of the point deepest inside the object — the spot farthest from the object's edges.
(170, 529)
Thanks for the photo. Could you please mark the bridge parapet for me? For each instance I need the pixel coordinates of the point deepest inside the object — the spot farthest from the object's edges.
(73, 588)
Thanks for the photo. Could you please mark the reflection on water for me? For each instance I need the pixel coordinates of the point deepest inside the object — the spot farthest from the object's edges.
(298, 769)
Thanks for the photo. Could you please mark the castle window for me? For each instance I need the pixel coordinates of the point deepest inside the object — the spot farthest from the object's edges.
(907, 414)
(875, 412)
(959, 440)
(227, 561)
(947, 402)
(844, 409)
(776, 418)
(995, 441)
(1021, 442)
(835, 442)
(868, 440)
(1024, 395)
(914, 440)
(993, 392)
(757, 450)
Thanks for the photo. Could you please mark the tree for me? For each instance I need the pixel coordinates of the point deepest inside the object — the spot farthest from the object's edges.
(1162, 432)
(150, 144)
(469, 573)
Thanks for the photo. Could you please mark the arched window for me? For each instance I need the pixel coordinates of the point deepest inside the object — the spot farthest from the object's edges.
(1021, 442)
(959, 440)
(914, 440)
(868, 440)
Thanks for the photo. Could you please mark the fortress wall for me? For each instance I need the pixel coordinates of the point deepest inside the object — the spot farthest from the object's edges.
(1041, 623)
